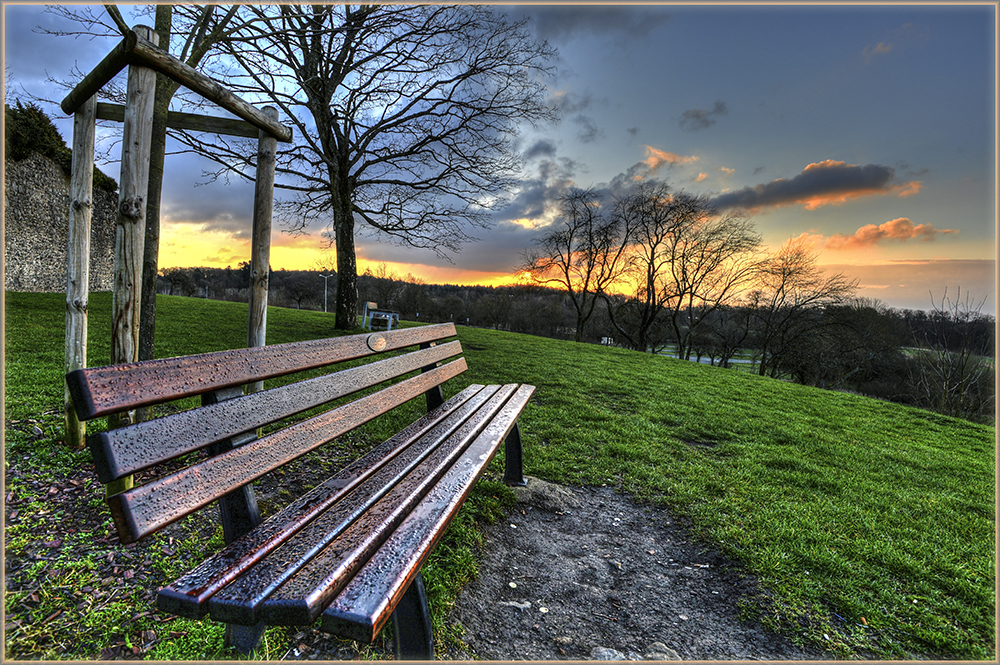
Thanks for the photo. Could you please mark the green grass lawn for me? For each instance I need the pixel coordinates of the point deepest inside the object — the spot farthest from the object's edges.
(870, 525)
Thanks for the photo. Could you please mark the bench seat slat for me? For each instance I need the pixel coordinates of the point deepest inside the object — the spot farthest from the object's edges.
(301, 599)
(189, 594)
(101, 391)
(356, 524)
(364, 605)
(144, 509)
(124, 451)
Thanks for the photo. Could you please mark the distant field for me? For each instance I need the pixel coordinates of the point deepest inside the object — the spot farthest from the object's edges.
(871, 525)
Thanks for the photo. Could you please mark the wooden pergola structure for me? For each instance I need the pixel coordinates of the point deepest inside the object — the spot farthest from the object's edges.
(139, 52)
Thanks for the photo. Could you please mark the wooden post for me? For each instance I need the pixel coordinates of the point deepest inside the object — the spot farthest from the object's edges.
(81, 189)
(131, 227)
(260, 260)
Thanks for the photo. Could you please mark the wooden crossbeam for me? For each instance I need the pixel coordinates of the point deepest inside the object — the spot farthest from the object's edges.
(189, 121)
(135, 49)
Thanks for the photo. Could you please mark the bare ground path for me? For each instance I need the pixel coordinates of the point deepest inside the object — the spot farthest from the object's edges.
(606, 572)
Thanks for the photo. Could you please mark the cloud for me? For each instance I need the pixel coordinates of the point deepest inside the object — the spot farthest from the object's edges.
(589, 131)
(541, 148)
(823, 183)
(565, 22)
(871, 52)
(695, 119)
(571, 105)
(900, 38)
(701, 176)
(900, 229)
(570, 102)
(656, 158)
(537, 196)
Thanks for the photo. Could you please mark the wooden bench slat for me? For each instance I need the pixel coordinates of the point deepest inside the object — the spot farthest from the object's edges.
(100, 391)
(126, 450)
(367, 601)
(302, 598)
(144, 509)
(362, 519)
(188, 595)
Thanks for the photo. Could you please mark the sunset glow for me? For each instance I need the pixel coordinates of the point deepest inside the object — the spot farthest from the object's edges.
(869, 132)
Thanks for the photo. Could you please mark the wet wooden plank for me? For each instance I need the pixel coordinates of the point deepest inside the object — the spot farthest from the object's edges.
(361, 520)
(99, 391)
(361, 609)
(300, 599)
(189, 594)
(144, 509)
(129, 449)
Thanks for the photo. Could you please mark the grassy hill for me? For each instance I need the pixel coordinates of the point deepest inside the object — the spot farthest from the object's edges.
(870, 525)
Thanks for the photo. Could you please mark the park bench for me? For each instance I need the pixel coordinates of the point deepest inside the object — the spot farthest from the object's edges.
(348, 551)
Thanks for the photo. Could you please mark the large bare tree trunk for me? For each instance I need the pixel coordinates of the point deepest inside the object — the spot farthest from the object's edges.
(347, 269)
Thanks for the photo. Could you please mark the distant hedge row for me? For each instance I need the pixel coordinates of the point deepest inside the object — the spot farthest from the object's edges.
(28, 129)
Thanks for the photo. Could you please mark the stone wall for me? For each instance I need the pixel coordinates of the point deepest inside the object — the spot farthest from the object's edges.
(36, 228)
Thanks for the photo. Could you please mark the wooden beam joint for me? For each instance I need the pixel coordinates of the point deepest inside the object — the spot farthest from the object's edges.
(137, 50)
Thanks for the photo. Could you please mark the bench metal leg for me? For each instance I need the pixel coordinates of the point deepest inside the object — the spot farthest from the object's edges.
(239, 515)
(513, 473)
(245, 639)
(411, 622)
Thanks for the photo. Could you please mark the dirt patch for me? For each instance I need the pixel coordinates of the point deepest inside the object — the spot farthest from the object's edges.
(608, 573)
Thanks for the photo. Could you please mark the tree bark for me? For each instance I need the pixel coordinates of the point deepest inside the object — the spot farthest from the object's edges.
(347, 268)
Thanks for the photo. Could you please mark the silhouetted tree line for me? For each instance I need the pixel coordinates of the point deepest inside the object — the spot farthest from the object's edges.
(940, 359)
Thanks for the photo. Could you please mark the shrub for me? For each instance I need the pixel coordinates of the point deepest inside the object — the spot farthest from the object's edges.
(28, 130)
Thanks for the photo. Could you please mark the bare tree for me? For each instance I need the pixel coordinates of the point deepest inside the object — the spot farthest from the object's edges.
(954, 373)
(405, 117)
(711, 258)
(685, 261)
(583, 254)
(789, 302)
(648, 222)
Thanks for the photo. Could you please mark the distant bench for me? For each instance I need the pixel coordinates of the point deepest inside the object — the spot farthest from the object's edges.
(351, 549)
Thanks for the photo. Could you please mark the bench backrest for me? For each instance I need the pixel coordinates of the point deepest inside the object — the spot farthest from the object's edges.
(225, 423)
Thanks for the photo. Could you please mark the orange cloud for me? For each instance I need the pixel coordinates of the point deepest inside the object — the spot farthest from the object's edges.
(701, 176)
(656, 158)
(901, 229)
(908, 189)
(809, 241)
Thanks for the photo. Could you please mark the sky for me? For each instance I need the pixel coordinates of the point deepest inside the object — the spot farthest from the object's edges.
(868, 132)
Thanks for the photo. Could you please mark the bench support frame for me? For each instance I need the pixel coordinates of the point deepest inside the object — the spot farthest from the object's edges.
(239, 515)
(411, 624)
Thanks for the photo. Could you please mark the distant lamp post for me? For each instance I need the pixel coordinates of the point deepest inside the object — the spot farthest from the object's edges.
(326, 282)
